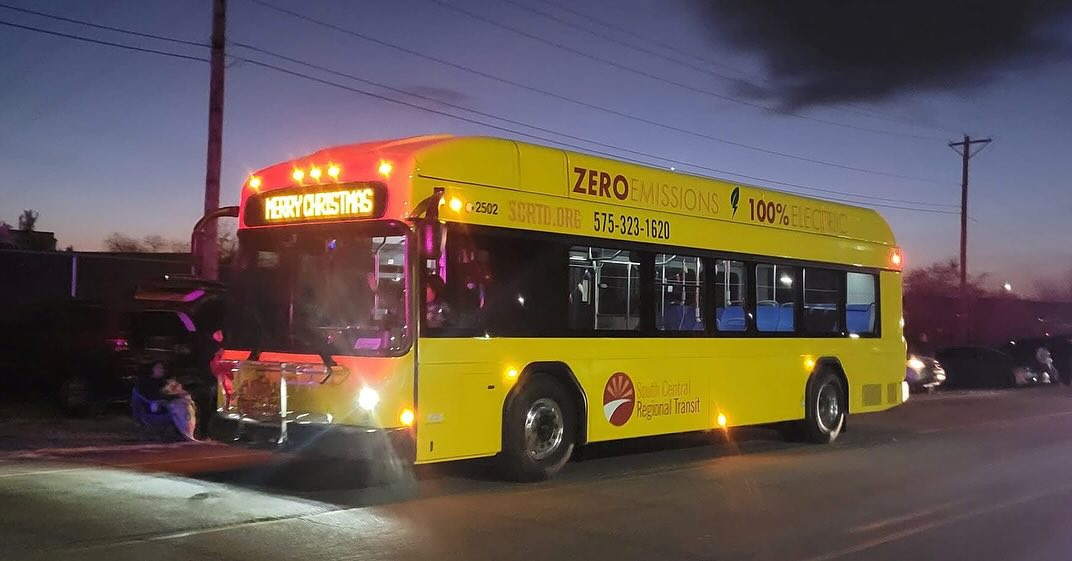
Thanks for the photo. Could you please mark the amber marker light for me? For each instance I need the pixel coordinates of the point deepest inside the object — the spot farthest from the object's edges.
(897, 259)
(298, 175)
(455, 204)
(511, 373)
(385, 168)
(333, 171)
(315, 173)
(407, 417)
(809, 363)
(721, 420)
(254, 182)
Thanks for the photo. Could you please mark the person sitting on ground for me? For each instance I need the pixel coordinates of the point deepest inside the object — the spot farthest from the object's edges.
(156, 387)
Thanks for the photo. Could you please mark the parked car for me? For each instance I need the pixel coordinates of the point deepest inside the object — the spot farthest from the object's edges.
(1060, 349)
(923, 373)
(984, 367)
(76, 350)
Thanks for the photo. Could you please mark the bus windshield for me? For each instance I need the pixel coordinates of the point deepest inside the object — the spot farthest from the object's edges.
(326, 289)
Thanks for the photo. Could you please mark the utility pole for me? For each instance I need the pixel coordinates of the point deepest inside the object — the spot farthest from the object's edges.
(964, 148)
(209, 246)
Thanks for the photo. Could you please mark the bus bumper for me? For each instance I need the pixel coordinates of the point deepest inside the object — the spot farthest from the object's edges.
(318, 439)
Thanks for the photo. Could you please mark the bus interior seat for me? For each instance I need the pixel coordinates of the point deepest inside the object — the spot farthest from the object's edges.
(859, 318)
(678, 317)
(730, 318)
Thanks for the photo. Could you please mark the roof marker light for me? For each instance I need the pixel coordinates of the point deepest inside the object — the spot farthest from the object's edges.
(315, 173)
(254, 182)
(298, 175)
(385, 168)
(333, 171)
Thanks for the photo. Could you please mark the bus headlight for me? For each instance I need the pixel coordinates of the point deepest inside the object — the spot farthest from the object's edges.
(367, 398)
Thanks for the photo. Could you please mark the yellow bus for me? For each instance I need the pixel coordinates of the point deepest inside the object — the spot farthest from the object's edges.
(442, 298)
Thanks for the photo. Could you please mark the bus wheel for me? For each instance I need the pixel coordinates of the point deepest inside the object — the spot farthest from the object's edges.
(824, 417)
(538, 431)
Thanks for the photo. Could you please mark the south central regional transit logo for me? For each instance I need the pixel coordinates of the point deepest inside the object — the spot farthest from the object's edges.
(619, 399)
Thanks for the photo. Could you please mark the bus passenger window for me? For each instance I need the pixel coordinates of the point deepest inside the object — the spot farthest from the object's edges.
(679, 304)
(860, 310)
(729, 296)
(604, 289)
(775, 298)
(822, 301)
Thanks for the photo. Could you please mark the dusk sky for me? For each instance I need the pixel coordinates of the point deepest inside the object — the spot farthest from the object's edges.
(100, 140)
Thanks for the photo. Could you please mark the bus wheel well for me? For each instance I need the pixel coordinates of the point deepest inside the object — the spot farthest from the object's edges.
(563, 375)
(833, 365)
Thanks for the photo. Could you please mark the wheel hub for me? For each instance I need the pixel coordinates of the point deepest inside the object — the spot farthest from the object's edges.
(828, 407)
(544, 428)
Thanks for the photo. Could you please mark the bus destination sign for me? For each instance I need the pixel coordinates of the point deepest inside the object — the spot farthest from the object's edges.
(328, 203)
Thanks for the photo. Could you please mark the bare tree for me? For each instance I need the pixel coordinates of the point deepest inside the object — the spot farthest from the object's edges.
(153, 243)
(1055, 290)
(123, 243)
(943, 279)
(28, 220)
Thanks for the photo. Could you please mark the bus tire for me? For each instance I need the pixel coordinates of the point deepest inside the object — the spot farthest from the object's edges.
(539, 430)
(825, 407)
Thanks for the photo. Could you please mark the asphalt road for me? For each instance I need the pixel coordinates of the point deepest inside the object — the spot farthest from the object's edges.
(960, 476)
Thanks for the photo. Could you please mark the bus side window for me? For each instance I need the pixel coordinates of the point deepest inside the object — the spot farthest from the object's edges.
(730, 287)
(604, 289)
(822, 301)
(680, 300)
(775, 298)
(860, 317)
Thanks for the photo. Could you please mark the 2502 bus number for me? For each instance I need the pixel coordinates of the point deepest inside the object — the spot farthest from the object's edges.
(632, 226)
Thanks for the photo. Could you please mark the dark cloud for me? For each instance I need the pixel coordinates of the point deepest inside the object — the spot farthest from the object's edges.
(827, 51)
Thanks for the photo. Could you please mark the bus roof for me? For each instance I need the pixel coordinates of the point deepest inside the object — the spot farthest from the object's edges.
(412, 164)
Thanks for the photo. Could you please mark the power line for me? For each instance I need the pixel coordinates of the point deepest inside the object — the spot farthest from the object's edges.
(105, 27)
(634, 46)
(630, 69)
(851, 107)
(102, 42)
(559, 133)
(493, 126)
(585, 104)
(558, 142)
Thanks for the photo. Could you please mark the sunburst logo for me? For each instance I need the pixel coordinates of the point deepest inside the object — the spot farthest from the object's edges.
(619, 399)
